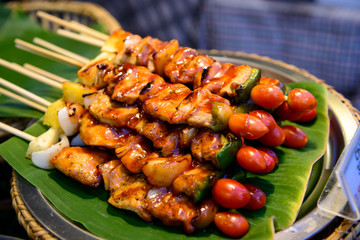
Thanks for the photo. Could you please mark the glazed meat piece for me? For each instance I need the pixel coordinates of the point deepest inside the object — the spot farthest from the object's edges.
(136, 156)
(112, 113)
(127, 191)
(172, 210)
(129, 82)
(179, 64)
(98, 134)
(187, 66)
(81, 164)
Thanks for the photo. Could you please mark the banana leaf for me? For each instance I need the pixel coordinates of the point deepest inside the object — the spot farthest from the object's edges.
(285, 187)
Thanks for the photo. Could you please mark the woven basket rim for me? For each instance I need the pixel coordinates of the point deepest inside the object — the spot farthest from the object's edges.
(91, 10)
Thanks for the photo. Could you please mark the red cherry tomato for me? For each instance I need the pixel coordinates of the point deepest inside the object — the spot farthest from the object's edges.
(247, 126)
(294, 137)
(231, 224)
(285, 113)
(275, 137)
(257, 198)
(267, 96)
(230, 193)
(271, 153)
(251, 159)
(269, 161)
(301, 101)
(308, 116)
(265, 117)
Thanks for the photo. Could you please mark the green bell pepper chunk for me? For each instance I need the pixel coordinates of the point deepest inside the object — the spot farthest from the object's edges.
(221, 113)
(243, 92)
(227, 154)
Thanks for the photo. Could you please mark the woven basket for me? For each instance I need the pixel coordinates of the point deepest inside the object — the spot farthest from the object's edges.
(90, 13)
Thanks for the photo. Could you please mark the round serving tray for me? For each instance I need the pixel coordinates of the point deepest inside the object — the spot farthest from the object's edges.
(343, 123)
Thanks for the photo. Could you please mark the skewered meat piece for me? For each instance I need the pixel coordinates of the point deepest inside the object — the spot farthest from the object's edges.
(112, 113)
(81, 164)
(98, 134)
(172, 210)
(180, 64)
(127, 191)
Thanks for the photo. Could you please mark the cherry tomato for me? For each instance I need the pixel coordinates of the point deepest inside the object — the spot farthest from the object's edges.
(271, 153)
(267, 96)
(230, 193)
(265, 117)
(269, 161)
(308, 116)
(247, 126)
(294, 137)
(257, 198)
(285, 113)
(250, 159)
(301, 101)
(275, 137)
(231, 224)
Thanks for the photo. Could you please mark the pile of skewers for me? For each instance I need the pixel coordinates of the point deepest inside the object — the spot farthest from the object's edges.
(172, 121)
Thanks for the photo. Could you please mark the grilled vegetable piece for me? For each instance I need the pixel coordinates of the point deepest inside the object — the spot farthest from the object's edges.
(221, 113)
(127, 191)
(162, 171)
(216, 148)
(81, 164)
(93, 73)
(73, 92)
(172, 210)
(243, 90)
(196, 182)
(50, 117)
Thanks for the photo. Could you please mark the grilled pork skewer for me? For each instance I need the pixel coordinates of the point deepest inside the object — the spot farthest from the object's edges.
(174, 103)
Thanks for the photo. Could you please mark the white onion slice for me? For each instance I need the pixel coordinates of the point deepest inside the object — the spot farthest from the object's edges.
(42, 158)
(44, 141)
(70, 125)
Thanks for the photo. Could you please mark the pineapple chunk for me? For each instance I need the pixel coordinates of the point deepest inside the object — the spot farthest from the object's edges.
(51, 117)
(44, 141)
(73, 92)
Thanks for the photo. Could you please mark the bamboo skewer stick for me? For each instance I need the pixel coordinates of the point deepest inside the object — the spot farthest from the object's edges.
(76, 27)
(16, 132)
(60, 50)
(20, 69)
(46, 53)
(23, 100)
(24, 92)
(81, 38)
(45, 73)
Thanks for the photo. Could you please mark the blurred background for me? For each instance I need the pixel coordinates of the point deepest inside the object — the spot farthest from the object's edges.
(320, 36)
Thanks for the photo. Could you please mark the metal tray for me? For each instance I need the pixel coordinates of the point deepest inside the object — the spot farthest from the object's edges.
(342, 128)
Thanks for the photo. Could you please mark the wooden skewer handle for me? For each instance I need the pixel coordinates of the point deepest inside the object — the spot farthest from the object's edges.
(20, 69)
(24, 92)
(46, 53)
(80, 38)
(23, 100)
(16, 132)
(76, 27)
